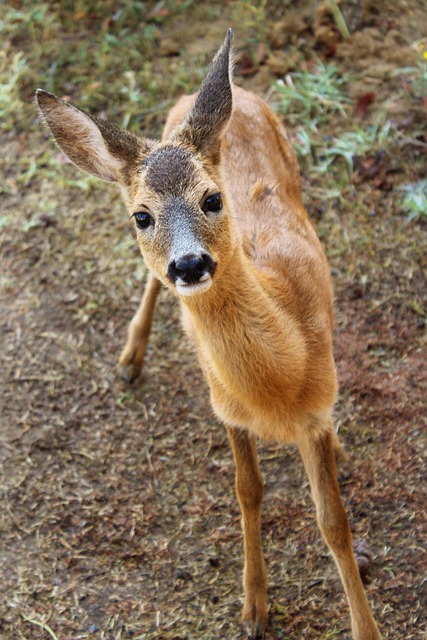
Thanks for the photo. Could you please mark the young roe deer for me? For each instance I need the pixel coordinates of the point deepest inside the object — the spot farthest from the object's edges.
(220, 222)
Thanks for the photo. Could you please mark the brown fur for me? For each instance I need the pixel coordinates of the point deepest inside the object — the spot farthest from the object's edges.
(263, 330)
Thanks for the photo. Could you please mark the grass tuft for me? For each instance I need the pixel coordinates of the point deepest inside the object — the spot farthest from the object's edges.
(328, 142)
(415, 200)
(417, 75)
(12, 69)
(312, 95)
(357, 143)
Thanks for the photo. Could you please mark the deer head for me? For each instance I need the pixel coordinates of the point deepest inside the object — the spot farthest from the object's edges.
(171, 188)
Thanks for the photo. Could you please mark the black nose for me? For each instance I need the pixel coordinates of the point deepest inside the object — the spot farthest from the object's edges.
(190, 268)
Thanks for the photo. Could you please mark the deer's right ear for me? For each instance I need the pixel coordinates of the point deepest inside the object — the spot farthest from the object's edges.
(93, 144)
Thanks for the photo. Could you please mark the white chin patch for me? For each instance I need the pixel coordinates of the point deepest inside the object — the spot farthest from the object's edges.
(184, 289)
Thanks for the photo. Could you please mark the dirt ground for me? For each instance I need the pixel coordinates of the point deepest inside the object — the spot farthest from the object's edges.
(119, 518)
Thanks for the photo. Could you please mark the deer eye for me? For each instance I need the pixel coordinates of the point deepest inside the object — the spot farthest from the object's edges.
(213, 203)
(143, 219)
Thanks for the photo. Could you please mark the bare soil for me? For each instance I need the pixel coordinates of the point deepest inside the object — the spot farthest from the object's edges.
(118, 512)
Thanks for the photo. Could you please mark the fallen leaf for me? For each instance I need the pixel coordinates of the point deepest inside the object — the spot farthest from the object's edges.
(363, 103)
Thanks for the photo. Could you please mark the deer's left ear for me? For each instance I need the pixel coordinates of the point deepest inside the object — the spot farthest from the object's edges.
(207, 120)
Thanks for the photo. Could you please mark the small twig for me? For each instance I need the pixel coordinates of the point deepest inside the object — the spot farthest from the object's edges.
(339, 19)
(42, 625)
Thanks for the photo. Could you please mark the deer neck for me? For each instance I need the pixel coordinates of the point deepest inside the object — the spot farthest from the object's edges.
(258, 362)
(242, 335)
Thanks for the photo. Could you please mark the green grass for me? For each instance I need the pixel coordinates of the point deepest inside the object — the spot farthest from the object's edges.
(327, 140)
(339, 19)
(251, 15)
(12, 69)
(415, 200)
(417, 75)
(360, 142)
(312, 96)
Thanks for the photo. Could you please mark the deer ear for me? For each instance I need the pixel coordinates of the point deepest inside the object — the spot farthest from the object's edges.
(207, 120)
(93, 144)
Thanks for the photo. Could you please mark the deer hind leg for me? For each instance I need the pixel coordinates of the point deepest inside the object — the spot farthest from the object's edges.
(131, 358)
(317, 452)
(250, 490)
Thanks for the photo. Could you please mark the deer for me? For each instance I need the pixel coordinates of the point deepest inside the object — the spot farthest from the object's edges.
(219, 219)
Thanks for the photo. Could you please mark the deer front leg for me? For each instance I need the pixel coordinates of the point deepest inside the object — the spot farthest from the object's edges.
(130, 362)
(317, 452)
(250, 490)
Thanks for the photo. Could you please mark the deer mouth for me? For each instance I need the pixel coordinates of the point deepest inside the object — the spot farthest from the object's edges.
(192, 288)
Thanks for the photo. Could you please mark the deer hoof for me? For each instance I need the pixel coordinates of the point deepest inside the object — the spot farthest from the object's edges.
(363, 557)
(129, 372)
(130, 362)
(255, 630)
